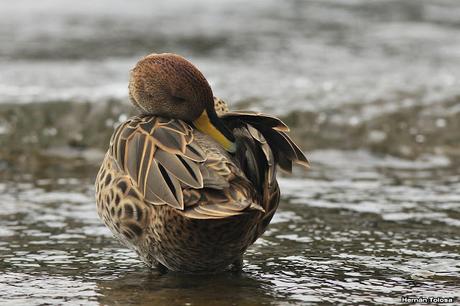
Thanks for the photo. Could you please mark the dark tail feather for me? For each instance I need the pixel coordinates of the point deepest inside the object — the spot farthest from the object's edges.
(274, 131)
(258, 118)
(251, 157)
(301, 158)
(284, 149)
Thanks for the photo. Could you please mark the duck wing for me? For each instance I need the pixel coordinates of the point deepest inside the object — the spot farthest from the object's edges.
(160, 156)
(172, 164)
(227, 191)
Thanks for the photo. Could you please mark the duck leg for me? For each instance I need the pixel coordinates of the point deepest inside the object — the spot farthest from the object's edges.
(237, 265)
(153, 264)
(161, 268)
(158, 267)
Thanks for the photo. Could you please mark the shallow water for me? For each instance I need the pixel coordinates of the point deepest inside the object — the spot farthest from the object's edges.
(374, 77)
(361, 229)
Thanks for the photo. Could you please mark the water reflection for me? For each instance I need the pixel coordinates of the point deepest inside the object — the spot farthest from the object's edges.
(147, 288)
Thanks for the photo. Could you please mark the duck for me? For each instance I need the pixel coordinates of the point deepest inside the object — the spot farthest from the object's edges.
(188, 184)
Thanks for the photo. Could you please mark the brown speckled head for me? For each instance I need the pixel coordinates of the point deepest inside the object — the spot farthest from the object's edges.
(168, 85)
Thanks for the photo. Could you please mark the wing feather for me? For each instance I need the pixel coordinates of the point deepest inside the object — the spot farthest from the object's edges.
(301, 158)
(194, 152)
(171, 164)
(184, 171)
(258, 118)
(159, 155)
(160, 186)
(169, 141)
(285, 151)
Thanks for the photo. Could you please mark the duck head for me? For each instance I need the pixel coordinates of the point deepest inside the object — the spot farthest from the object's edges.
(169, 86)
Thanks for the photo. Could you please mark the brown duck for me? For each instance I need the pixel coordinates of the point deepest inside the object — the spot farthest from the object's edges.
(188, 184)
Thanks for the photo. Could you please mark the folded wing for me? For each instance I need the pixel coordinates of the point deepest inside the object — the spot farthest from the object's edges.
(160, 156)
(171, 164)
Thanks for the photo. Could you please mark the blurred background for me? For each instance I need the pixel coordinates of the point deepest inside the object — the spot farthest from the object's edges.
(370, 89)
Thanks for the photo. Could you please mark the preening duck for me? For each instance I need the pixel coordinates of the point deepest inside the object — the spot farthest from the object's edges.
(188, 184)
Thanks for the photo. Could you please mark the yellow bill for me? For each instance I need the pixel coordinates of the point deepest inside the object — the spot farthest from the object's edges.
(204, 125)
